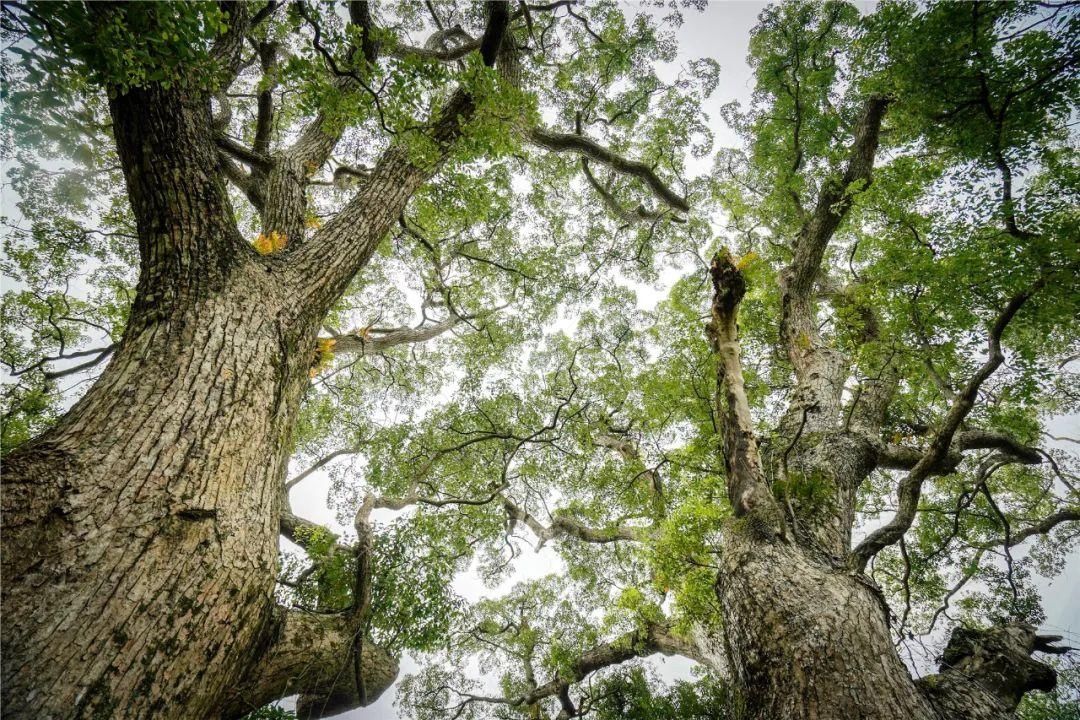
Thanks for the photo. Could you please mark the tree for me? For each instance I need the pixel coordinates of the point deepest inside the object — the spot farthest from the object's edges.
(895, 327)
(141, 528)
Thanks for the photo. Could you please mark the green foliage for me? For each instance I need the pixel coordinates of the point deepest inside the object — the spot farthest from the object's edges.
(560, 391)
(124, 45)
(632, 696)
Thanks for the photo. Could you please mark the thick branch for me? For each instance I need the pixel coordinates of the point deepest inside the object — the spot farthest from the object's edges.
(637, 215)
(747, 489)
(311, 655)
(567, 142)
(911, 486)
(640, 643)
(820, 370)
(834, 202)
(495, 32)
(901, 457)
(439, 51)
(243, 154)
(301, 531)
(372, 343)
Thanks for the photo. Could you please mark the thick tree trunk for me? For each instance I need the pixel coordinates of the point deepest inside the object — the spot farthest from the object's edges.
(805, 631)
(807, 640)
(140, 534)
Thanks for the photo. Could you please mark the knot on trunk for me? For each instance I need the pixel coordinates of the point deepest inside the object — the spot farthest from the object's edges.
(985, 673)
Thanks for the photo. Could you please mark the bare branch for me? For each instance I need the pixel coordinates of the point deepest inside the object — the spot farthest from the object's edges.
(568, 142)
(902, 457)
(746, 485)
(653, 638)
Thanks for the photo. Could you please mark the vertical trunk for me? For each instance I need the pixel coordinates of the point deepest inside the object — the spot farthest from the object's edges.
(807, 640)
(140, 534)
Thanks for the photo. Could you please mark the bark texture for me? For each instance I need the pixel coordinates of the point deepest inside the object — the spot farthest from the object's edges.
(806, 633)
(808, 641)
(141, 532)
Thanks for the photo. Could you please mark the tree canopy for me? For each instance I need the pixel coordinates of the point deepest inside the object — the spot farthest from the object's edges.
(897, 233)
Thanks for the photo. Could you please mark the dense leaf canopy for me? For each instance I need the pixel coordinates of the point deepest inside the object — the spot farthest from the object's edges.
(492, 383)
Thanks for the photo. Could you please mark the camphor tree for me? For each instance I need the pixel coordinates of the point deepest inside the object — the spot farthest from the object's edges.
(261, 155)
(878, 356)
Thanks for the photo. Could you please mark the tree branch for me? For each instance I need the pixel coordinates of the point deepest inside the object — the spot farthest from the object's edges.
(369, 343)
(563, 526)
(901, 457)
(568, 142)
(746, 486)
(310, 654)
(911, 486)
(320, 463)
(652, 639)
(244, 154)
(637, 215)
(1043, 527)
(985, 673)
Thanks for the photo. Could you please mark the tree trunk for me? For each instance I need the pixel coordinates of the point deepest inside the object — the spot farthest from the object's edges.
(806, 632)
(140, 534)
(140, 538)
(807, 640)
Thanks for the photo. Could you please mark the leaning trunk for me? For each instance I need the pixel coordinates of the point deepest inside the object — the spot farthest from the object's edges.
(140, 534)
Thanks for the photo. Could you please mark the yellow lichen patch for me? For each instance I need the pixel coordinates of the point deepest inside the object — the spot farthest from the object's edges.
(267, 244)
(324, 355)
(313, 222)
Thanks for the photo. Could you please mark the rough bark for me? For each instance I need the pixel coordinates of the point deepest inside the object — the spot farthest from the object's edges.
(807, 636)
(309, 655)
(140, 533)
(806, 640)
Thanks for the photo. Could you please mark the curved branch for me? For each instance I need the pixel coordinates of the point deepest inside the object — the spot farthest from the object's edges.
(911, 486)
(567, 142)
(438, 52)
(1043, 527)
(654, 638)
(638, 214)
(310, 654)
